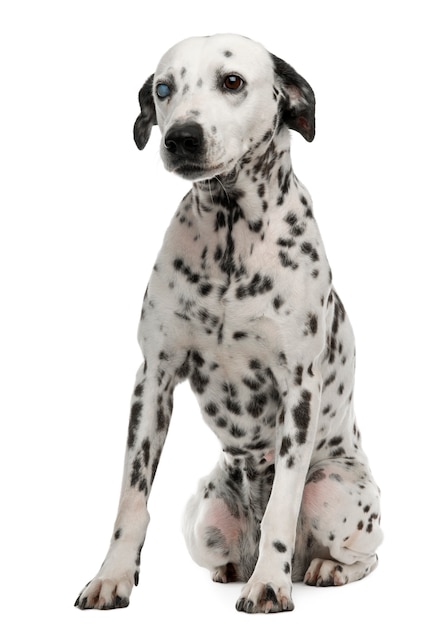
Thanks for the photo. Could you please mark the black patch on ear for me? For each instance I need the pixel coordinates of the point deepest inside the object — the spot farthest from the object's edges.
(298, 107)
(148, 117)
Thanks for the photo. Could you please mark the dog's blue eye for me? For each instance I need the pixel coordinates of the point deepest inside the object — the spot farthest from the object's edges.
(163, 90)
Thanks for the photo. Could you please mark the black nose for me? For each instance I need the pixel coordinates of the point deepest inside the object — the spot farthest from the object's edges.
(184, 139)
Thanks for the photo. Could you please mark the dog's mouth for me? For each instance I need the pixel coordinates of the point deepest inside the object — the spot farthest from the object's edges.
(194, 171)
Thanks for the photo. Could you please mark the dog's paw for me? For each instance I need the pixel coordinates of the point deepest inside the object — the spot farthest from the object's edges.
(327, 573)
(259, 597)
(106, 593)
(225, 574)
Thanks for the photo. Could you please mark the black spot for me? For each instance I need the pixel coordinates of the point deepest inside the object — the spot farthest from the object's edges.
(138, 559)
(285, 243)
(312, 323)
(146, 450)
(338, 452)
(235, 475)
(229, 388)
(301, 416)
(285, 445)
(291, 218)
(218, 254)
(155, 463)
(336, 477)
(205, 289)
(220, 220)
(255, 226)
(180, 266)
(143, 486)
(161, 416)
(255, 364)
(233, 406)
(258, 285)
(335, 441)
(257, 404)
(136, 472)
(307, 248)
(135, 415)
(211, 409)
(139, 390)
(329, 380)
(117, 534)
(316, 476)
(199, 381)
(252, 384)
(278, 302)
(278, 545)
(270, 595)
(360, 525)
(299, 374)
(207, 318)
(183, 371)
(240, 335)
(237, 432)
(198, 358)
(286, 261)
(215, 538)
(286, 568)
(258, 445)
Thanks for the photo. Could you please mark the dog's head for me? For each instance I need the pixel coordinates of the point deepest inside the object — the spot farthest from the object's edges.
(216, 99)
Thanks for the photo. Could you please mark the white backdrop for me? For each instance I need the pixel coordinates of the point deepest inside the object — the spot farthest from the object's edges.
(82, 217)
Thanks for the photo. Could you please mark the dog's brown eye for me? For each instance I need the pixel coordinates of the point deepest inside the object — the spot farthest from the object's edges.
(233, 82)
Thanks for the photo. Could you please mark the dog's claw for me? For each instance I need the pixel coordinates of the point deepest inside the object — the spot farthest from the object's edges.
(265, 600)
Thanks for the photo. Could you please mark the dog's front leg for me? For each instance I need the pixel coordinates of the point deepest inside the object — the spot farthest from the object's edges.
(148, 425)
(269, 589)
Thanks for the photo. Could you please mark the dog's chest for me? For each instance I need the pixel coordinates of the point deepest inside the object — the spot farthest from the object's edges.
(229, 283)
(223, 284)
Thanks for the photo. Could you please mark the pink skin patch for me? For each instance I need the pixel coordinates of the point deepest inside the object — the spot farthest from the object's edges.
(220, 517)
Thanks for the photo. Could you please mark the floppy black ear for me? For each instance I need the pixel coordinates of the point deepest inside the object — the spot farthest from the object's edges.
(148, 117)
(298, 108)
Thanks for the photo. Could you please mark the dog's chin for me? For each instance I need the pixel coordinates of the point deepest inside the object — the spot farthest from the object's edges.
(196, 172)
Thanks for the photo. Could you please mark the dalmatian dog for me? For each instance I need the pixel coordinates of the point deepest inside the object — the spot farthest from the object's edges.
(241, 303)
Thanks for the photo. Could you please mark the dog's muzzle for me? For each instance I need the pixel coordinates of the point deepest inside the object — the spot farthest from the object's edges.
(185, 151)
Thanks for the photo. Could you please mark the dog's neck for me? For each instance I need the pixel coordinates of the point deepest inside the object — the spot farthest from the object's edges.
(262, 180)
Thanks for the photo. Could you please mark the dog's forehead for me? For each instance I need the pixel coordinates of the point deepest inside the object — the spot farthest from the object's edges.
(207, 54)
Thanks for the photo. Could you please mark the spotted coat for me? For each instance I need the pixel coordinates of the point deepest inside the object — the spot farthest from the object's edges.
(241, 303)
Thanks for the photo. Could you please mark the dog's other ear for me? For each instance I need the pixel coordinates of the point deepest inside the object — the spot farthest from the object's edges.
(298, 108)
(148, 117)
